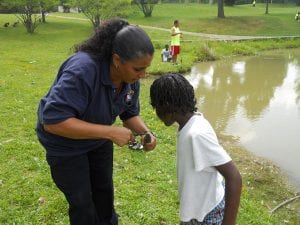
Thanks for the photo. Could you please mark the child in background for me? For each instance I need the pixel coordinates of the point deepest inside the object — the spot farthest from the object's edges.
(176, 35)
(297, 16)
(202, 164)
(166, 54)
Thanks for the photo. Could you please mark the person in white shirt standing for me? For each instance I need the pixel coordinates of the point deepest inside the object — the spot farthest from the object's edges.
(203, 166)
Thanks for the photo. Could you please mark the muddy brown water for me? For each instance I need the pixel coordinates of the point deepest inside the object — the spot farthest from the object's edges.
(256, 99)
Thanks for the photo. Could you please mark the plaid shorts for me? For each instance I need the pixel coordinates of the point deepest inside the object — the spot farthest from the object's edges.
(214, 217)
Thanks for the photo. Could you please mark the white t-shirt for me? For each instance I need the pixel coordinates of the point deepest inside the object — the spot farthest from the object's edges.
(166, 54)
(199, 183)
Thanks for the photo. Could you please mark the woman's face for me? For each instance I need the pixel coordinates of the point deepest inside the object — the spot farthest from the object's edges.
(131, 71)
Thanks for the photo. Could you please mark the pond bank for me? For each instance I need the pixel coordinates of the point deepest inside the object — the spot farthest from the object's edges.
(264, 181)
(250, 97)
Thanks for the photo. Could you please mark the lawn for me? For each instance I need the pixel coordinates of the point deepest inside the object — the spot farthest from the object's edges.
(146, 189)
(239, 20)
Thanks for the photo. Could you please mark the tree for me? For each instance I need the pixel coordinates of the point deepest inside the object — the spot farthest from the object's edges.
(267, 7)
(146, 6)
(98, 10)
(45, 5)
(221, 9)
(66, 4)
(26, 12)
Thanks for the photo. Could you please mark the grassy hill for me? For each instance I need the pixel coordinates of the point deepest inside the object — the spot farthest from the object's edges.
(239, 20)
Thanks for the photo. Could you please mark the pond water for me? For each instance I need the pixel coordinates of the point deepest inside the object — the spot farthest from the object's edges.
(258, 100)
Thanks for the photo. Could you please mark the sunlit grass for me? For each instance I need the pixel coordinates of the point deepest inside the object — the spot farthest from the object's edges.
(239, 20)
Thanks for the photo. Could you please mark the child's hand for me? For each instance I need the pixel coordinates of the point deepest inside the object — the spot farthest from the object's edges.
(149, 141)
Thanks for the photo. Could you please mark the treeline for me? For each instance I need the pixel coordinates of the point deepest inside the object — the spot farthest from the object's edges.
(237, 2)
(31, 13)
(65, 4)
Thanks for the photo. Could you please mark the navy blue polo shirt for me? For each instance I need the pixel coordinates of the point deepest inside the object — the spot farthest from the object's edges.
(83, 89)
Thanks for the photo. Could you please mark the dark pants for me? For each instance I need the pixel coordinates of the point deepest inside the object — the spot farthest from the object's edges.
(86, 181)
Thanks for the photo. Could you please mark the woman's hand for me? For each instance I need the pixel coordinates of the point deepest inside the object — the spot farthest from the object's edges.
(137, 125)
(78, 129)
(121, 136)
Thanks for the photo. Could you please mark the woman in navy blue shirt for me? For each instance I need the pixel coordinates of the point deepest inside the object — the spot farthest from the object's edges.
(75, 119)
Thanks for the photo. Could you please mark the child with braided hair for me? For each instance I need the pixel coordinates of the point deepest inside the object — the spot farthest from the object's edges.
(203, 166)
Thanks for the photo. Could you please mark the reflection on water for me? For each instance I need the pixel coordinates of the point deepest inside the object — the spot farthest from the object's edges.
(257, 99)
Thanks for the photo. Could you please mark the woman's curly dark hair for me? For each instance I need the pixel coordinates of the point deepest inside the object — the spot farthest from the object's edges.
(173, 93)
(117, 36)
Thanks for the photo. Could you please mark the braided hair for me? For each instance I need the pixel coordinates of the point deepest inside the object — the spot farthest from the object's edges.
(172, 93)
(130, 42)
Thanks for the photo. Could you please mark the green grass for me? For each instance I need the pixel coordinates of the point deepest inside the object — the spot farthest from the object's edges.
(240, 20)
(145, 183)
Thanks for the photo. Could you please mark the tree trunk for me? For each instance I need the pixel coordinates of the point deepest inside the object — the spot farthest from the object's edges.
(43, 16)
(29, 20)
(96, 22)
(267, 7)
(221, 9)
